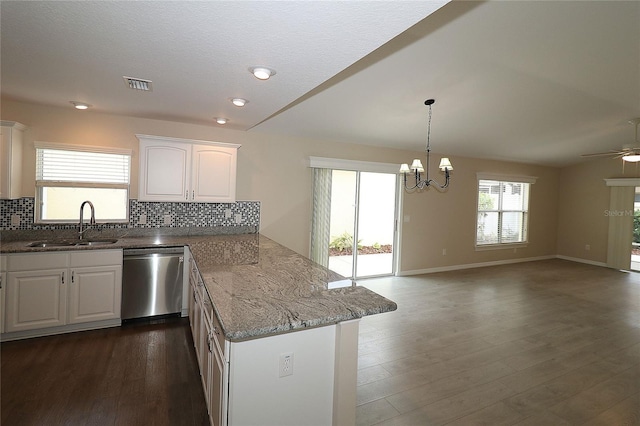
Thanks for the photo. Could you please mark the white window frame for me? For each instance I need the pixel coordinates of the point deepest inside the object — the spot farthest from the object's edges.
(526, 212)
(41, 184)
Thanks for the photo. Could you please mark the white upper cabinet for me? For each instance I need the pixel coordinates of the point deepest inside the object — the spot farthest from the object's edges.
(11, 159)
(186, 170)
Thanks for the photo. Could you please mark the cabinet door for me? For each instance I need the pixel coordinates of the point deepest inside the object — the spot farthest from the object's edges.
(163, 171)
(216, 386)
(95, 293)
(11, 159)
(3, 283)
(36, 299)
(206, 358)
(196, 324)
(213, 177)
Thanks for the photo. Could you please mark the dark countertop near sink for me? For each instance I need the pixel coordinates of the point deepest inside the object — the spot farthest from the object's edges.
(258, 287)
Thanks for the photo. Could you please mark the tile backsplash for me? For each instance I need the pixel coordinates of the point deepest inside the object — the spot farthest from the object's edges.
(18, 215)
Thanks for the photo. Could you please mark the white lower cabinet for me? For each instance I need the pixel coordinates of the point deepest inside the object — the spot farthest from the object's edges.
(242, 381)
(36, 299)
(210, 348)
(46, 290)
(3, 284)
(94, 294)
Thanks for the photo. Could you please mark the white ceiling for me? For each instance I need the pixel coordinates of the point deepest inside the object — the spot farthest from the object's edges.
(539, 82)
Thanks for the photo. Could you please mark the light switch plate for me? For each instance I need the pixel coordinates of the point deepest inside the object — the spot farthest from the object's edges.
(15, 220)
(227, 214)
(238, 217)
(167, 219)
(142, 219)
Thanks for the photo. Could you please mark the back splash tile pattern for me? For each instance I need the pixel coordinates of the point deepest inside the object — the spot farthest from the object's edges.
(182, 215)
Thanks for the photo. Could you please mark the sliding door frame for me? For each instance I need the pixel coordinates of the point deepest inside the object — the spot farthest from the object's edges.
(371, 167)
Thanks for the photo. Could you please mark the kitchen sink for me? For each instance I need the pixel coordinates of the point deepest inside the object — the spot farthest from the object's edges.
(67, 243)
(94, 242)
(50, 244)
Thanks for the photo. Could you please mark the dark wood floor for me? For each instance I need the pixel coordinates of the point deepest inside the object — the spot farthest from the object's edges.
(138, 374)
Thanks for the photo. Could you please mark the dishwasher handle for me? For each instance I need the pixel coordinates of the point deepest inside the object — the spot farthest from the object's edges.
(157, 250)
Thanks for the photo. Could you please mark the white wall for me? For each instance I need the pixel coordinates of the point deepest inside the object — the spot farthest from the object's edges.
(273, 169)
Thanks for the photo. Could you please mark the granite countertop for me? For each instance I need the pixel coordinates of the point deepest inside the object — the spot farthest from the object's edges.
(258, 287)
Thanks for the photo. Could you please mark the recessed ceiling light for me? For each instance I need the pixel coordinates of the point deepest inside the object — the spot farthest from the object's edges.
(239, 102)
(262, 73)
(221, 120)
(80, 105)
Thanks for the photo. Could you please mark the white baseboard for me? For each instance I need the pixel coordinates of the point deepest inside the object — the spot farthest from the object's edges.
(577, 259)
(472, 265)
(40, 332)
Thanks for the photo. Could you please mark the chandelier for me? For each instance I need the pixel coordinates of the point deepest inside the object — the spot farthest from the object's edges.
(416, 167)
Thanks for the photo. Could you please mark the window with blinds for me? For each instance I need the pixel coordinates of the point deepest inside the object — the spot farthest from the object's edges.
(503, 210)
(67, 177)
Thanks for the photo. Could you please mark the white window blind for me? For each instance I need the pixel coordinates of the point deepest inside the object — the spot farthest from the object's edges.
(79, 166)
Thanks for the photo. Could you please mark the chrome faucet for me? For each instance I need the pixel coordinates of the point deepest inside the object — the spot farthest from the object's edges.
(92, 221)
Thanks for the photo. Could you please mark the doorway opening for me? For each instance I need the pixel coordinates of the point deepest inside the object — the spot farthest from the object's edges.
(635, 249)
(362, 223)
(354, 218)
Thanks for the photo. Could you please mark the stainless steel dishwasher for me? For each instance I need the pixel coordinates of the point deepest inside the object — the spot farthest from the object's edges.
(152, 282)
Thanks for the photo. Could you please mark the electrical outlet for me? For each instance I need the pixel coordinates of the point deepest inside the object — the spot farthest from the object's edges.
(142, 219)
(227, 213)
(15, 220)
(238, 217)
(167, 219)
(444, 252)
(587, 247)
(286, 364)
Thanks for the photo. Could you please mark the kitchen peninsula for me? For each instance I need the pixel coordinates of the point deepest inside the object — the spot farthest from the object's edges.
(275, 333)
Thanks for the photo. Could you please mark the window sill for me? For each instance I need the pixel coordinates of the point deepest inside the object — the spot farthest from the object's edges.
(504, 246)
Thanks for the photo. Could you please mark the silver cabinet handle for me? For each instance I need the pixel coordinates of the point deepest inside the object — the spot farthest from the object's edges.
(209, 342)
(63, 278)
(193, 194)
(73, 277)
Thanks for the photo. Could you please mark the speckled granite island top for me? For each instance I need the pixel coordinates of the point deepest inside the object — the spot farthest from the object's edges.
(259, 287)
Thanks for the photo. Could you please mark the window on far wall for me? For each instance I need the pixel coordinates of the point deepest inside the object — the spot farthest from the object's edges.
(68, 175)
(503, 212)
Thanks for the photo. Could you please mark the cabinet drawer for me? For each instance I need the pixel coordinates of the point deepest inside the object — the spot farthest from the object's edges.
(35, 261)
(96, 258)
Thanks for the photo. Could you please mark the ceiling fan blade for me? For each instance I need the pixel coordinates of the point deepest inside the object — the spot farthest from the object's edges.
(600, 154)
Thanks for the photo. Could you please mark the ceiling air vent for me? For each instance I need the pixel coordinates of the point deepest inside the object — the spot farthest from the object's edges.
(138, 84)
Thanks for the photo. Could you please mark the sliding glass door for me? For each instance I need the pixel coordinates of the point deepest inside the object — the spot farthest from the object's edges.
(362, 223)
